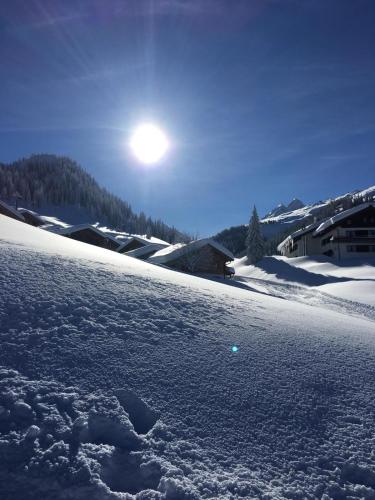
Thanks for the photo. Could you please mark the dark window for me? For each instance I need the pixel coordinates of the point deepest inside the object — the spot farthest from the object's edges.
(363, 248)
(361, 233)
(325, 241)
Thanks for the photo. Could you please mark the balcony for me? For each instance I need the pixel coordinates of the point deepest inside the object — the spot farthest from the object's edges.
(365, 240)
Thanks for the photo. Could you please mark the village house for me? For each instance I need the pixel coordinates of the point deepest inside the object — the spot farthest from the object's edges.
(348, 234)
(9, 211)
(31, 217)
(89, 234)
(200, 256)
(135, 242)
(146, 251)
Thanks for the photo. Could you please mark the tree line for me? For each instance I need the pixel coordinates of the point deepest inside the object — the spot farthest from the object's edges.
(60, 181)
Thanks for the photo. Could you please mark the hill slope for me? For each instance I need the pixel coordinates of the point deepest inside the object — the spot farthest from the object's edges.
(61, 188)
(118, 381)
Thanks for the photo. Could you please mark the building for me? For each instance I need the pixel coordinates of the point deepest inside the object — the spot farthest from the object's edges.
(31, 217)
(146, 251)
(348, 234)
(9, 211)
(135, 242)
(200, 256)
(89, 234)
(300, 242)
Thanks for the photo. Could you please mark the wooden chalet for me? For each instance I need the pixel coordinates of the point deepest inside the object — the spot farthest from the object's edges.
(31, 217)
(9, 211)
(135, 242)
(91, 235)
(146, 251)
(200, 256)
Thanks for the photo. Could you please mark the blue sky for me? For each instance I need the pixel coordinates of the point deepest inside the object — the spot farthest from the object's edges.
(264, 100)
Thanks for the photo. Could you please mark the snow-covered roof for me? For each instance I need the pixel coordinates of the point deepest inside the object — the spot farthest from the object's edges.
(146, 250)
(298, 234)
(30, 212)
(65, 231)
(175, 251)
(15, 212)
(342, 215)
(142, 239)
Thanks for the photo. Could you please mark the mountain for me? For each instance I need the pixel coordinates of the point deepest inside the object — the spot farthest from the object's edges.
(58, 187)
(282, 209)
(280, 221)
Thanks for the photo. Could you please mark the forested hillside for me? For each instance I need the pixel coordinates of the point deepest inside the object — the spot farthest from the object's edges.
(60, 181)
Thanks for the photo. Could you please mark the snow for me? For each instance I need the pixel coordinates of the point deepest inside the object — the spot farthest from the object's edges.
(173, 252)
(146, 251)
(118, 381)
(302, 278)
(272, 223)
(343, 215)
(80, 227)
(142, 239)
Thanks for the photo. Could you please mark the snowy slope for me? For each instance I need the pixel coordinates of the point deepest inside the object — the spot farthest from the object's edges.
(353, 280)
(119, 382)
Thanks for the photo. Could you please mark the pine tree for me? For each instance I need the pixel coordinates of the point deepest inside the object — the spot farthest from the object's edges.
(255, 247)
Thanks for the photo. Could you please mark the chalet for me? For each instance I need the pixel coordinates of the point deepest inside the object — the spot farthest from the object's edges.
(135, 242)
(31, 217)
(89, 234)
(146, 251)
(9, 211)
(200, 256)
(348, 234)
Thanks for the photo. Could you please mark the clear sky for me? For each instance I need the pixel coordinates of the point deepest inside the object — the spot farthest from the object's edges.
(264, 100)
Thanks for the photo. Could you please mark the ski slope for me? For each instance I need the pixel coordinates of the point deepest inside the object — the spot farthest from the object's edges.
(118, 381)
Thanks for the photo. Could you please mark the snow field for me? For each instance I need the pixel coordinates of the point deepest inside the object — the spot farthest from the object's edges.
(119, 382)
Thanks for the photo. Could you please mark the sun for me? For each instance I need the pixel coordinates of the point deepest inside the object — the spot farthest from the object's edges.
(149, 143)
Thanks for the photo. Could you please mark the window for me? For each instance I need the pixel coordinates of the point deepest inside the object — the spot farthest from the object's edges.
(363, 248)
(327, 240)
(360, 248)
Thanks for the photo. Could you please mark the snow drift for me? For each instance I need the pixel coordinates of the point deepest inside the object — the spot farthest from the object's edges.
(118, 381)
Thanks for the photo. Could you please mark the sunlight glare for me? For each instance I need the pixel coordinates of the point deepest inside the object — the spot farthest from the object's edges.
(149, 143)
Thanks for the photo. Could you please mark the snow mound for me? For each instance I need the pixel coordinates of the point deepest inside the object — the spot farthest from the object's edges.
(119, 381)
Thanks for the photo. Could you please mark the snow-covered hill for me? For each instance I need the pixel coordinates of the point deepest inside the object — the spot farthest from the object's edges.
(119, 381)
(296, 212)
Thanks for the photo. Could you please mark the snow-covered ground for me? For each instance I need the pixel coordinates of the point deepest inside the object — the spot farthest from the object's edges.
(118, 380)
(315, 279)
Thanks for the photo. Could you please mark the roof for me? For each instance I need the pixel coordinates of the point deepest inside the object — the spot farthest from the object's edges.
(13, 211)
(327, 224)
(146, 250)
(175, 251)
(66, 231)
(298, 234)
(33, 214)
(142, 239)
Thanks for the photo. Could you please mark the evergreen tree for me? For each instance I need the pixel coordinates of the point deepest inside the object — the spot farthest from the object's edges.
(255, 247)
